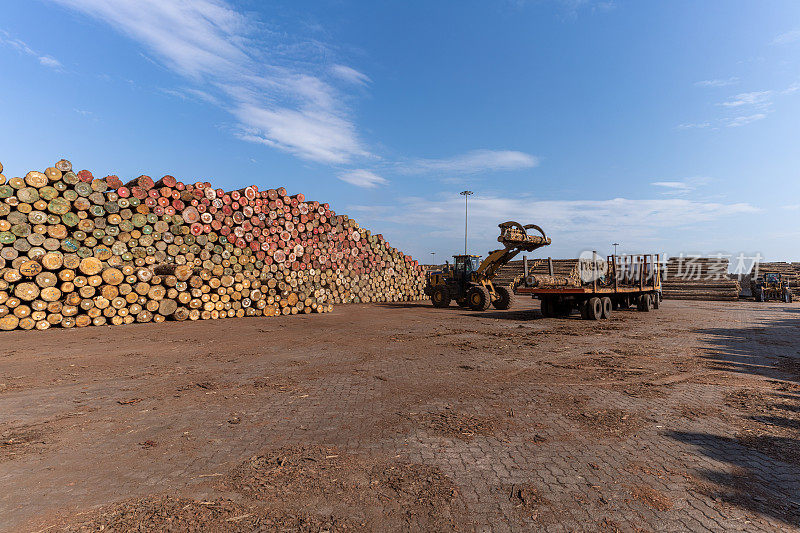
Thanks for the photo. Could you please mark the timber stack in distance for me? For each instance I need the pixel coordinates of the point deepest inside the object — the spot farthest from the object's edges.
(78, 251)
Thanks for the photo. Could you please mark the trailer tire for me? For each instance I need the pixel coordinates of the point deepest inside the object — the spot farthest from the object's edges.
(607, 307)
(503, 300)
(440, 297)
(547, 307)
(478, 298)
(594, 309)
(645, 303)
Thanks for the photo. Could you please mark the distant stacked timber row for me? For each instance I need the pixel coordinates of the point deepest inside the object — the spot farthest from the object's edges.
(80, 251)
(698, 278)
(791, 271)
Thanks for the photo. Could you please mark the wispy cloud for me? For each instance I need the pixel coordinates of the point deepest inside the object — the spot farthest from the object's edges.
(568, 222)
(23, 48)
(677, 186)
(362, 178)
(693, 125)
(787, 37)
(755, 98)
(718, 82)
(745, 120)
(278, 99)
(681, 187)
(472, 163)
(350, 75)
(791, 89)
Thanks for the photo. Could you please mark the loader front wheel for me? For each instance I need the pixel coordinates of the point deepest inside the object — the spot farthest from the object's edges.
(440, 297)
(478, 298)
(503, 300)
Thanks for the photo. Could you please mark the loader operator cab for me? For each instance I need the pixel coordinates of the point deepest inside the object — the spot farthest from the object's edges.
(465, 265)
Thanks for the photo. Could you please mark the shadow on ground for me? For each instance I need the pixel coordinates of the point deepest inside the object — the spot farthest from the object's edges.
(771, 349)
(752, 481)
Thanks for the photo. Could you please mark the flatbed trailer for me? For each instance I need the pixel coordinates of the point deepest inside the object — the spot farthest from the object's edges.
(625, 281)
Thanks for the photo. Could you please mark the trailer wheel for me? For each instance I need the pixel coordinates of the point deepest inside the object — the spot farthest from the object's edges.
(440, 297)
(503, 300)
(594, 309)
(478, 298)
(656, 300)
(607, 307)
(645, 302)
(547, 307)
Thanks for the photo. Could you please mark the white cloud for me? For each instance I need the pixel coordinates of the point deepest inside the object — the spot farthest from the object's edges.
(362, 178)
(23, 48)
(50, 62)
(673, 185)
(570, 223)
(680, 187)
(788, 37)
(718, 82)
(692, 126)
(755, 98)
(793, 88)
(350, 75)
(473, 162)
(745, 119)
(275, 95)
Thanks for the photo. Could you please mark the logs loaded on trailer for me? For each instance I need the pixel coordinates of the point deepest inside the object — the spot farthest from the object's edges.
(594, 286)
(78, 251)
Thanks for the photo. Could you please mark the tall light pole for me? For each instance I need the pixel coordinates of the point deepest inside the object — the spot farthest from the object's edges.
(433, 255)
(615, 248)
(466, 195)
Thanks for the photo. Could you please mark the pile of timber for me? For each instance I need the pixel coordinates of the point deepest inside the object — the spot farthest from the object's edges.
(80, 251)
(791, 271)
(698, 278)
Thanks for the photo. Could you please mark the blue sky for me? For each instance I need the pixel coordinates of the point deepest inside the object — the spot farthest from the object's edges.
(671, 127)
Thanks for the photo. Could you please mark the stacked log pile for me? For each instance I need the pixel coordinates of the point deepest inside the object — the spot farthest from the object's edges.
(698, 278)
(76, 251)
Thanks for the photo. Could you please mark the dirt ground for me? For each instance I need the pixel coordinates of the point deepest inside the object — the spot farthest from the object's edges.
(406, 417)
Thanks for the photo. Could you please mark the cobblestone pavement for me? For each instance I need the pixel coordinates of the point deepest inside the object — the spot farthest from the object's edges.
(685, 418)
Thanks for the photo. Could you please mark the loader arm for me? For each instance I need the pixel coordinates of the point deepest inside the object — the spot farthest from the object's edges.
(495, 260)
(514, 236)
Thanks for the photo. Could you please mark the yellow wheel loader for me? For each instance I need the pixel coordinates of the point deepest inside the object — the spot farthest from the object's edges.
(469, 280)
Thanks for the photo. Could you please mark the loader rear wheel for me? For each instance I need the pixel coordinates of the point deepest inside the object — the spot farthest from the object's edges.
(478, 298)
(503, 300)
(440, 297)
